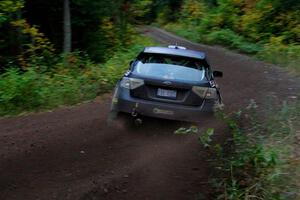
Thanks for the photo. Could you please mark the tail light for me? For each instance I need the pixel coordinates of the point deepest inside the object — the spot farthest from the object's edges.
(205, 92)
(131, 83)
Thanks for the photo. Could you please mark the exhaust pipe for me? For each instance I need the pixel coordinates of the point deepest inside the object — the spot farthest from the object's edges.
(134, 113)
(137, 120)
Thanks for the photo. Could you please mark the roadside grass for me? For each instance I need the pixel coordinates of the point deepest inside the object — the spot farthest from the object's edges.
(274, 51)
(287, 56)
(261, 160)
(224, 37)
(81, 80)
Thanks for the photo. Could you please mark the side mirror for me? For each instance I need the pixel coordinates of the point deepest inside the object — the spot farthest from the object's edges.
(218, 74)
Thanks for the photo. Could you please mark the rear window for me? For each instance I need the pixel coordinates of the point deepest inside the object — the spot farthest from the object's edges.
(169, 67)
(169, 72)
(173, 60)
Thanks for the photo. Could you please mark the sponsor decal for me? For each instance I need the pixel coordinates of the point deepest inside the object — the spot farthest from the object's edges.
(161, 111)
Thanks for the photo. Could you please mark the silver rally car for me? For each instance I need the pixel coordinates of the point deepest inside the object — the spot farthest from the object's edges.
(168, 82)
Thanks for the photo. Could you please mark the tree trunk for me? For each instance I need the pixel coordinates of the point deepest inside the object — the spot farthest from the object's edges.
(67, 28)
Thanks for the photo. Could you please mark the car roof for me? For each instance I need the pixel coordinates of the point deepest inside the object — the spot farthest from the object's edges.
(175, 51)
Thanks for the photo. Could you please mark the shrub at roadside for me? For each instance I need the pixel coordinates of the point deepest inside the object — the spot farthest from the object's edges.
(262, 161)
(81, 80)
(267, 29)
(274, 51)
(279, 53)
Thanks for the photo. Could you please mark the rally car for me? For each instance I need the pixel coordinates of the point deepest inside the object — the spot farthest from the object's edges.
(168, 82)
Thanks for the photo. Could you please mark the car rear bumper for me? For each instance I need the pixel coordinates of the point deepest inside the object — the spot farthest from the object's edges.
(123, 102)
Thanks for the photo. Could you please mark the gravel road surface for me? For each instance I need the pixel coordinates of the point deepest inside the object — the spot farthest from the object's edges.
(71, 153)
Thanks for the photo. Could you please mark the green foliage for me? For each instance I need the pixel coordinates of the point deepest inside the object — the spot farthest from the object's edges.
(34, 76)
(186, 131)
(268, 29)
(232, 40)
(163, 17)
(140, 10)
(107, 37)
(193, 11)
(285, 55)
(98, 27)
(166, 11)
(205, 138)
(261, 163)
(106, 26)
(186, 31)
(9, 11)
(8, 8)
(82, 80)
(36, 50)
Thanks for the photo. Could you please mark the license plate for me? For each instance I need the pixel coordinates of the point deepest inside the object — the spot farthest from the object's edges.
(167, 93)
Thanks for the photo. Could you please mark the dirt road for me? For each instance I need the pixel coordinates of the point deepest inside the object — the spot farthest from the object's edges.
(71, 153)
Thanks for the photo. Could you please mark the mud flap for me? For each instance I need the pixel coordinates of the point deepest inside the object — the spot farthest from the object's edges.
(112, 116)
(113, 113)
(219, 105)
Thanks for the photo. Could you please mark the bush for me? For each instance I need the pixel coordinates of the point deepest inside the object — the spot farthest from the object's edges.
(259, 160)
(269, 29)
(224, 37)
(231, 39)
(275, 51)
(279, 53)
(81, 80)
(187, 32)
(262, 162)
